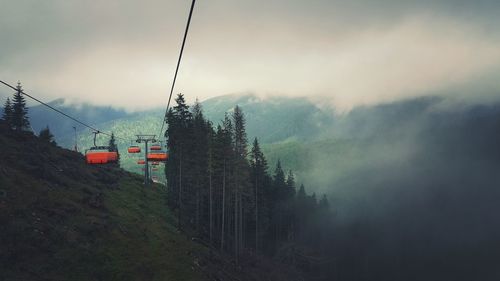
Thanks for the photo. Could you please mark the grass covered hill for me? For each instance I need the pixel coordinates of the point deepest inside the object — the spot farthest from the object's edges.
(61, 219)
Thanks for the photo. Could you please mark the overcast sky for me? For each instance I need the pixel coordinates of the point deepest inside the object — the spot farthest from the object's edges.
(348, 53)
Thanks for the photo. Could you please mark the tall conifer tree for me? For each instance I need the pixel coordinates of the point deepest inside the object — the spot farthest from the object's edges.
(7, 112)
(260, 182)
(112, 145)
(47, 136)
(20, 119)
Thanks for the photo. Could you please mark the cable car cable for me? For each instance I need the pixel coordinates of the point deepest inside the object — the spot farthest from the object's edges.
(177, 68)
(58, 111)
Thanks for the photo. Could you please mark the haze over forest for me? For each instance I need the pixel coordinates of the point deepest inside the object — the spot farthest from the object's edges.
(391, 109)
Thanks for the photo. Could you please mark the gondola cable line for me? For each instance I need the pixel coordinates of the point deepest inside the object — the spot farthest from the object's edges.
(177, 67)
(58, 111)
(94, 155)
(155, 153)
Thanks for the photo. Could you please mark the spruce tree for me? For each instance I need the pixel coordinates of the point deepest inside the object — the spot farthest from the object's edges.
(290, 186)
(46, 136)
(223, 147)
(279, 205)
(301, 194)
(260, 181)
(179, 140)
(279, 182)
(112, 147)
(242, 201)
(7, 112)
(199, 167)
(20, 119)
(324, 205)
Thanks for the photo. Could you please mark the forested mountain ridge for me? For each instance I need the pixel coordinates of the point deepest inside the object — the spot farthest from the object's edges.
(224, 192)
(41, 117)
(270, 119)
(296, 118)
(412, 183)
(297, 130)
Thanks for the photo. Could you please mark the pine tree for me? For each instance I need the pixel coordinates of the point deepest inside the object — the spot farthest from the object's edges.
(224, 166)
(301, 194)
(323, 218)
(324, 205)
(7, 112)
(20, 119)
(112, 147)
(241, 177)
(179, 136)
(290, 186)
(199, 168)
(301, 214)
(289, 216)
(279, 183)
(46, 135)
(260, 181)
(278, 198)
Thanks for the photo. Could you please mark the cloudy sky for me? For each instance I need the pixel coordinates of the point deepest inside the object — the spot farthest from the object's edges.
(348, 53)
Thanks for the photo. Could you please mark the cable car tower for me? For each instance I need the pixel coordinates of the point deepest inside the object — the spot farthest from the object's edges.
(146, 139)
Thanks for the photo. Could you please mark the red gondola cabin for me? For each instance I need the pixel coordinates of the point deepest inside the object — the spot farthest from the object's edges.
(100, 156)
(134, 149)
(157, 156)
(155, 147)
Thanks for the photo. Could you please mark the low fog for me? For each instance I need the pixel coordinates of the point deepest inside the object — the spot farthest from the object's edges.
(415, 189)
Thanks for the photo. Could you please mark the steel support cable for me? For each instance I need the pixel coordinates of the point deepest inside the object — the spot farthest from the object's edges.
(59, 111)
(177, 68)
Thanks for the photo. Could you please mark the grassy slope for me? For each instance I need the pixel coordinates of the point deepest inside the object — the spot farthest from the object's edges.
(63, 220)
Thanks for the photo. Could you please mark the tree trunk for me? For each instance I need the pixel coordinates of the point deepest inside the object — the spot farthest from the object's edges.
(210, 198)
(197, 209)
(223, 206)
(256, 216)
(180, 191)
(236, 250)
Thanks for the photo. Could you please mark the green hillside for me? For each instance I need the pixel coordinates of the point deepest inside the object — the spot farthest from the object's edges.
(317, 164)
(64, 220)
(319, 146)
(273, 120)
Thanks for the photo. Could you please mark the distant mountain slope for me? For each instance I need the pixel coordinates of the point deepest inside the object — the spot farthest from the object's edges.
(273, 119)
(312, 141)
(409, 136)
(40, 116)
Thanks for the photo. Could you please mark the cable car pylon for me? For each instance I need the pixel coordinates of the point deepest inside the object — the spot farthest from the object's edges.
(146, 139)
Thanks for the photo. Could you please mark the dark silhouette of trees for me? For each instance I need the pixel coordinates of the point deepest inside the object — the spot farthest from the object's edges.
(179, 136)
(112, 145)
(7, 112)
(261, 183)
(19, 120)
(47, 136)
(223, 193)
